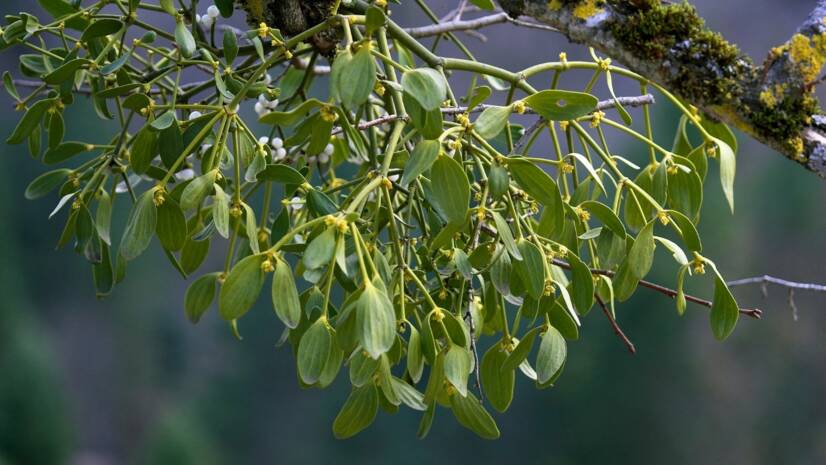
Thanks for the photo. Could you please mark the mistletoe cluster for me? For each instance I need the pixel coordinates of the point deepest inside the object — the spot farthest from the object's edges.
(398, 225)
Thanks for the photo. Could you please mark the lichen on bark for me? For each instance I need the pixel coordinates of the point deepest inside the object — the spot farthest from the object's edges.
(669, 43)
(292, 17)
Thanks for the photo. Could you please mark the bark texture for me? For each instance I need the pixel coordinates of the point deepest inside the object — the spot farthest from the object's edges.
(670, 45)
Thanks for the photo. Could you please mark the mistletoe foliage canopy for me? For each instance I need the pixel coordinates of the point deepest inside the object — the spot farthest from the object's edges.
(398, 226)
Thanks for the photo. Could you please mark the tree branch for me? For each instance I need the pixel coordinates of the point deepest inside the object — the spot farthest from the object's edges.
(617, 330)
(444, 27)
(669, 44)
(766, 279)
(751, 312)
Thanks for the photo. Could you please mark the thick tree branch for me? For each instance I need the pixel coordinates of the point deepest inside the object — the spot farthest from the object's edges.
(669, 44)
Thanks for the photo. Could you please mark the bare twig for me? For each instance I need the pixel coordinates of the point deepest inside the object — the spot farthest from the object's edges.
(766, 279)
(473, 25)
(791, 286)
(617, 330)
(457, 26)
(750, 312)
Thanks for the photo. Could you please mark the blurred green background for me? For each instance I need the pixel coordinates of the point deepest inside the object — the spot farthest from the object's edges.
(128, 380)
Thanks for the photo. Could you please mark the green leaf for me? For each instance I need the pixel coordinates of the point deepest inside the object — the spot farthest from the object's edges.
(539, 185)
(561, 319)
(421, 160)
(164, 121)
(169, 7)
(283, 174)
(144, 150)
(358, 412)
(551, 355)
(285, 299)
(451, 189)
(480, 95)
(30, 120)
(118, 63)
(606, 215)
(226, 7)
(686, 229)
(230, 43)
(66, 71)
(289, 118)
(362, 368)
(521, 351)
(561, 105)
(531, 269)
(184, 39)
(408, 394)
(374, 19)
(492, 121)
(196, 190)
(199, 296)
(498, 180)
(140, 227)
(321, 249)
(320, 203)
(64, 151)
(428, 123)
(220, 211)
(46, 183)
(193, 254)
(497, 383)
(728, 167)
(472, 415)
(171, 226)
(724, 310)
(353, 77)
(506, 236)
(484, 4)
(241, 288)
(582, 283)
(376, 321)
(101, 27)
(314, 351)
(57, 128)
(415, 357)
(641, 255)
(427, 86)
(457, 367)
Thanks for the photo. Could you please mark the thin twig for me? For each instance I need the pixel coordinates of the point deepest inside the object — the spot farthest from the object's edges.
(755, 313)
(766, 279)
(791, 286)
(617, 330)
(473, 25)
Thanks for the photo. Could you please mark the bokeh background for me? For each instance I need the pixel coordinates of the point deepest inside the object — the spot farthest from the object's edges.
(128, 380)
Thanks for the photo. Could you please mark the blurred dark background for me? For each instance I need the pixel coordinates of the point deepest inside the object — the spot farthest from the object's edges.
(128, 380)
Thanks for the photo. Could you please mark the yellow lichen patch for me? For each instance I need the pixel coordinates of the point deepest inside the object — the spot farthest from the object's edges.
(554, 5)
(771, 96)
(809, 54)
(255, 9)
(587, 8)
(797, 146)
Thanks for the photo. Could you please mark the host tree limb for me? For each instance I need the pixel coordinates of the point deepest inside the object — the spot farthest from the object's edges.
(670, 45)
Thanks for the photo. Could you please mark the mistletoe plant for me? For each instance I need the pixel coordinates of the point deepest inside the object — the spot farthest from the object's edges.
(397, 223)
